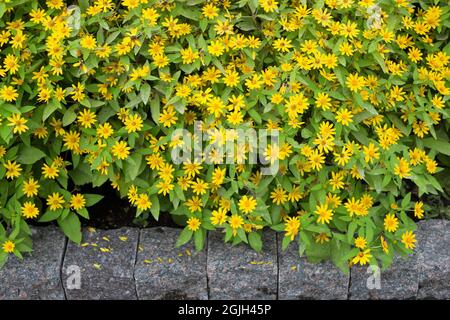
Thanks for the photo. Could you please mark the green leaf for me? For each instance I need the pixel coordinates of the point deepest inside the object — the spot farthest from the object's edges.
(145, 92)
(440, 146)
(71, 227)
(199, 239)
(155, 208)
(30, 155)
(184, 237)
(255, 241)
(69, 117)
(50, 216)
(92, 199)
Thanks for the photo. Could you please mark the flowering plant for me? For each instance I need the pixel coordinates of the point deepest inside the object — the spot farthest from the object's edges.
(357, 90)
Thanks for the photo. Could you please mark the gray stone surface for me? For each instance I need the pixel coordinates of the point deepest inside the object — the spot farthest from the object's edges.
(106, 260)
(300, 279)
(238, 272)
(113, 265)
(434, 259)
(37, 277)
(165, 272)
(399, 281)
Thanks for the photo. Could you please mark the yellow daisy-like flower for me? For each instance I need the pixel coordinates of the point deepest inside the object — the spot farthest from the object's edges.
(360, 242)
(235, 222)
(18, 123)
(409, 239)
(363, 257)
(193, 224)
(291, 227)
(8, 246)
(325, 215)
(391, 223)
(29, 210)
(13, 169)
(55, 201)
(50, 172)
(121, 150)
(77, 201)
(30, 188)
(143, 202)
(247, 204)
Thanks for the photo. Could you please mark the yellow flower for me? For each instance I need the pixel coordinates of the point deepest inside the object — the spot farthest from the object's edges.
(402, 169)
(199, 187)
(355, 82)
(268, 5)
(8, 246)
(390, 223)
(105, 130)
(279, 195)
(409, 239)
(194, 204)
(247, 204)
(88, 42)
(188, 56)
(8, 93)
(210, 11)
(13, 169)
(143, 202)
(55, 201)
(360, 242)
(29, 210)
(325, 214)
(216, 48)
(18, 123)
(384, 245)
(323, 101)
(77, 201)
(168, 117)
(72, 140)
(50, 172)
(10, 63)
(236, 221)
(371, 153)
(120, 150)
(86, 118)
(418, 210)
(193, 224)
(30, 188)
(231, 78)
(282, 45)
(219, 216)
(133, 123)
(362, 257)
(344, 117)
(291, 227)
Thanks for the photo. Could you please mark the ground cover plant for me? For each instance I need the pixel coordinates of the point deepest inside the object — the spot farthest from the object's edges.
(92, 92)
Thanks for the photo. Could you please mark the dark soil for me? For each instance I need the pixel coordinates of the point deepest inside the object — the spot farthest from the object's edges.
(112, 212)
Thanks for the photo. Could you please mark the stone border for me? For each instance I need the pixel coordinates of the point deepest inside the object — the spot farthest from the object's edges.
(129, 263)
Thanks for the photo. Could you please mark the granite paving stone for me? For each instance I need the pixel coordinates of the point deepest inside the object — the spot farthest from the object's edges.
(37, 277)
(239, 272)
(102, 266)
(165, 272)
(434, 259)
(300, 279)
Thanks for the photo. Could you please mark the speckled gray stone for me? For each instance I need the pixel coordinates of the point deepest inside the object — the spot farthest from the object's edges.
(165, 272)
(239, 272)
(434, 259)
(37, 277)
(104, 275)
(300, 279)
(399, 281)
